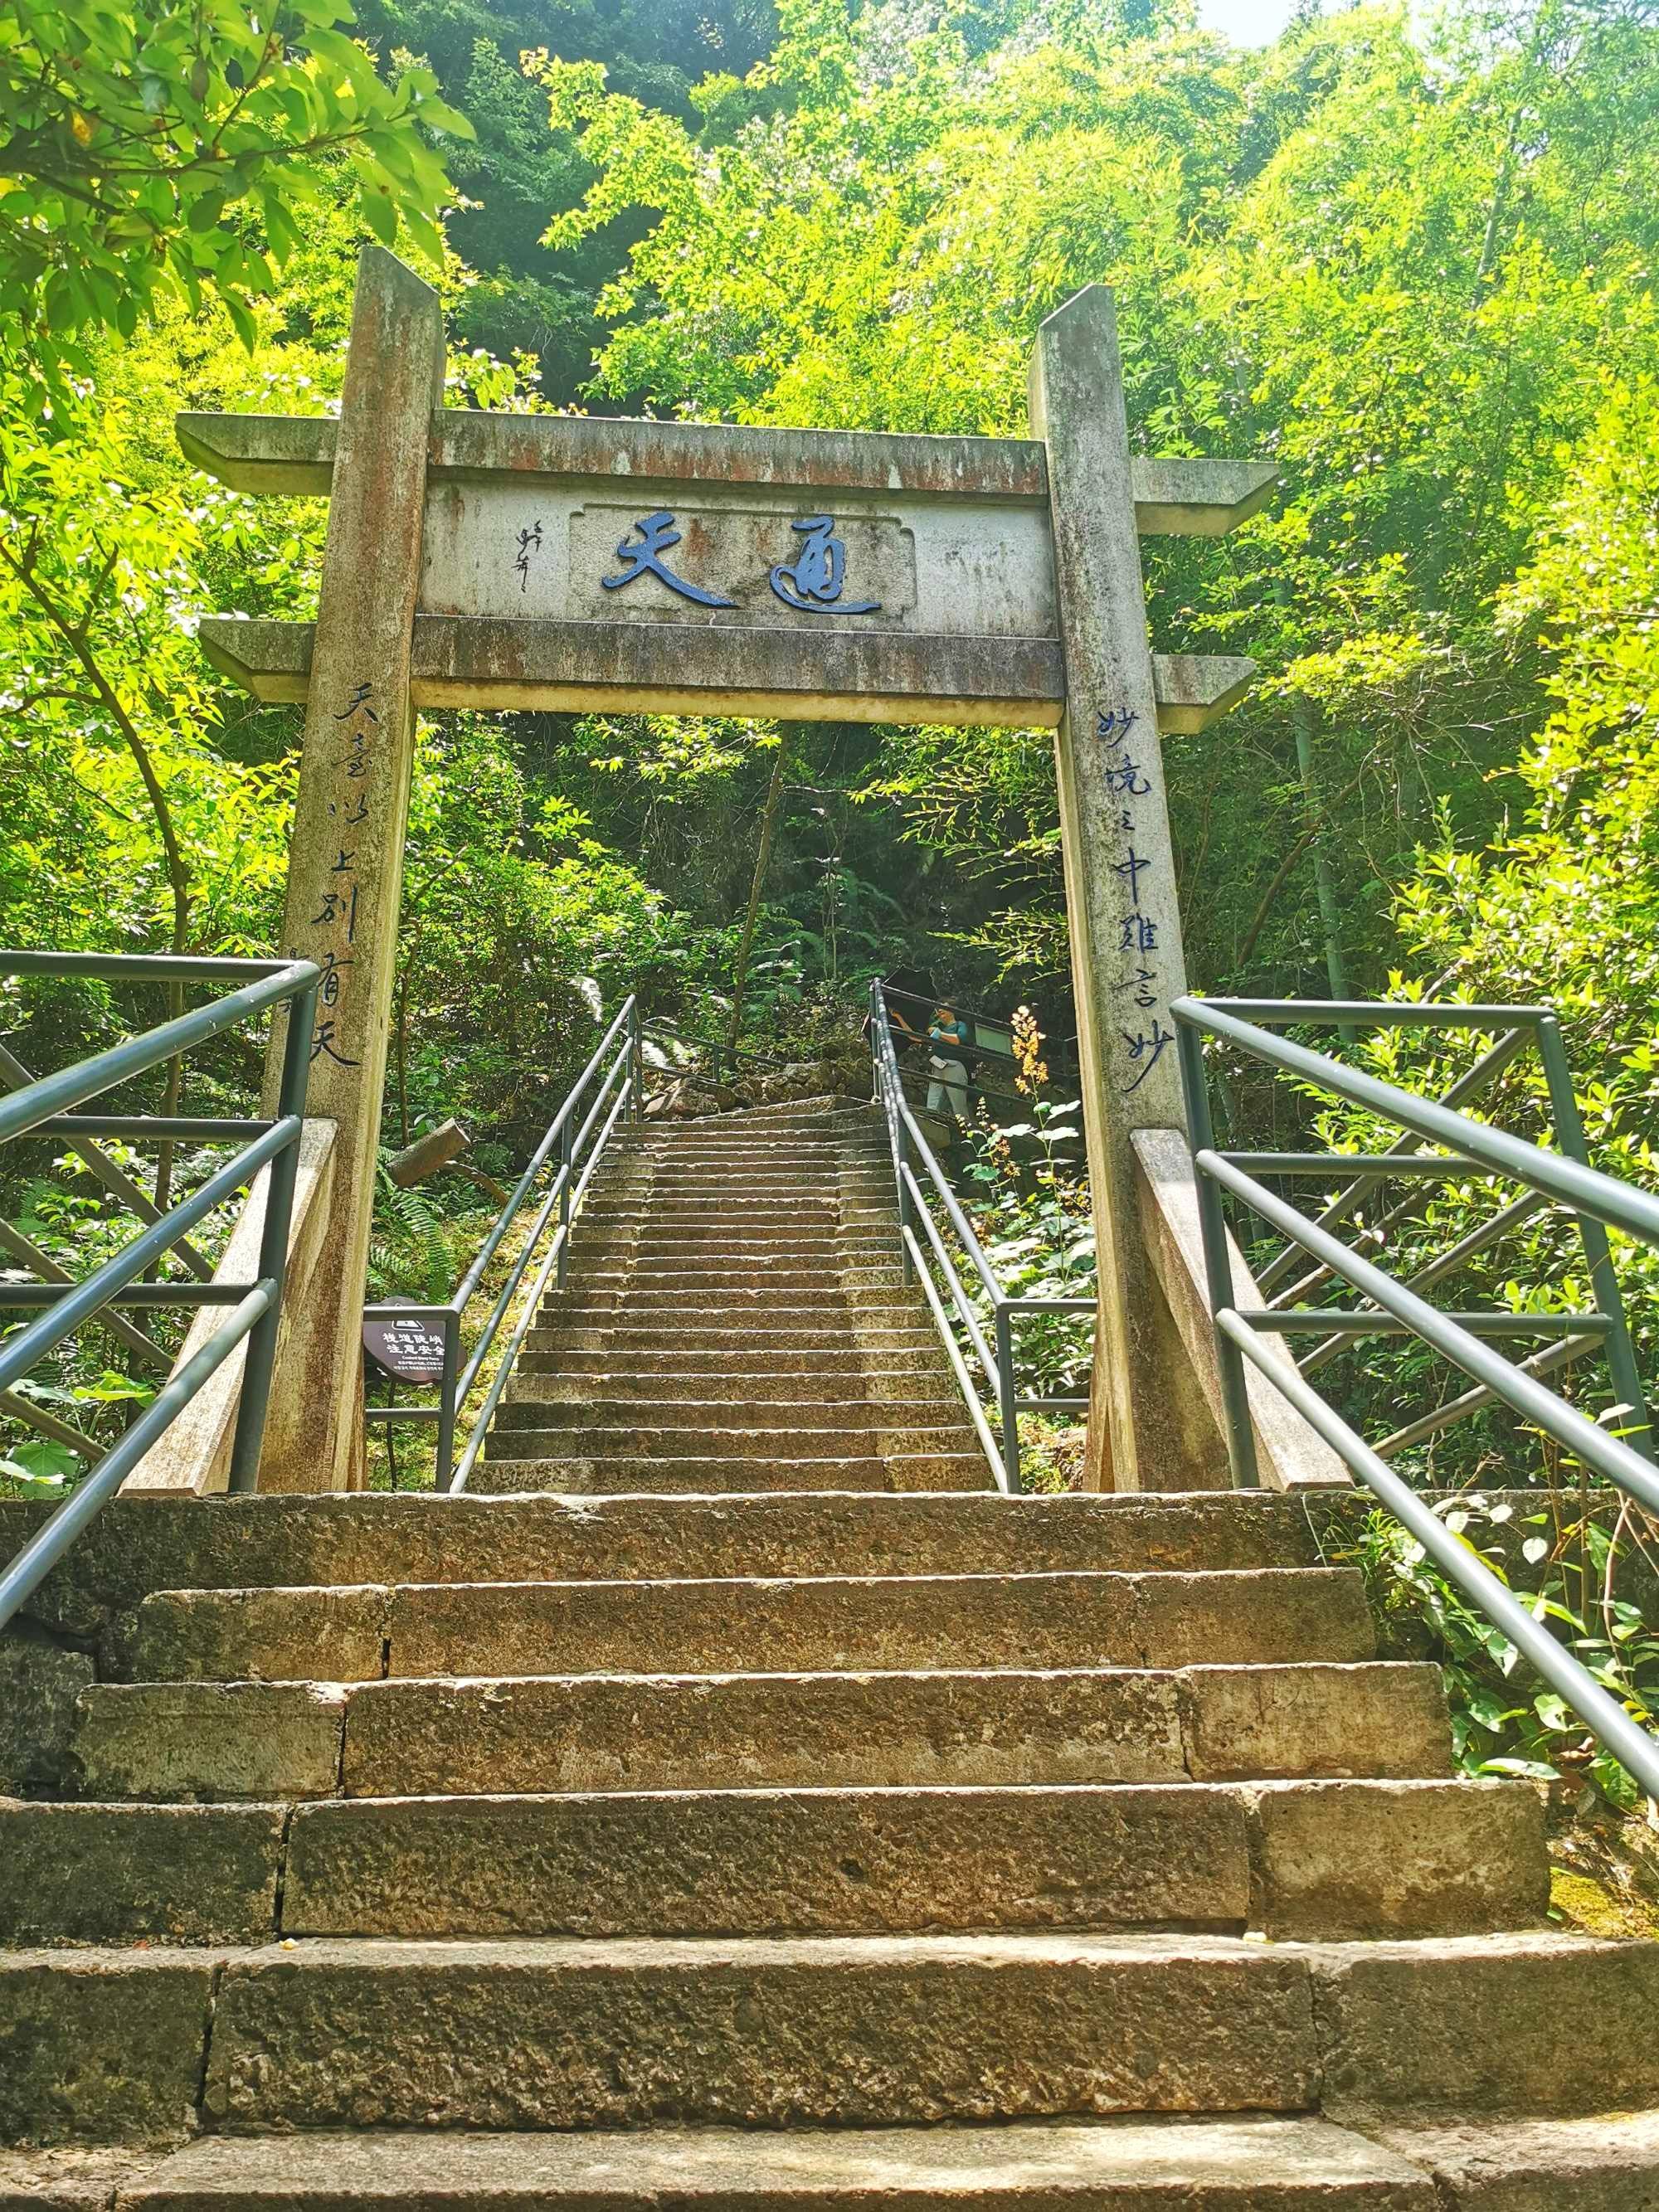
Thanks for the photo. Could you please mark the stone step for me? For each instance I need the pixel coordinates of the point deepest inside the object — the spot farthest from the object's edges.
(759, 1279)
(1216, 1856)
(211, 1741)
(690, 1182)
(873, 1861)
(539, 1438)
(542, 1378)
(895, 1623)
(843, 2031)
(832, 1318)
(640, 1341)
(139, 1545)
(851, 1120)
(730, 1413)
(750, 1176)
(611, 1474)
(892, 2030)
(715, 1199)
(1300, 2164)
(782, 1303)
(811, 1368)
(733, 1243)
(822, 1228)
(657, 1264)
(855, 1147)
(767, 1198)
(657, 1244)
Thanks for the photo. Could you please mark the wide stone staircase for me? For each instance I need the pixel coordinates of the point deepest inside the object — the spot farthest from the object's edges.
(747, 1806)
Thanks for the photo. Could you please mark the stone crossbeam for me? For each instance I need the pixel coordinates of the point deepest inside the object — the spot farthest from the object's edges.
(565, 667)
(293, 453)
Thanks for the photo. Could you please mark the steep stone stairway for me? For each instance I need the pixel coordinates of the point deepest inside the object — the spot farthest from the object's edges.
(748, 1808)
(738, 1320)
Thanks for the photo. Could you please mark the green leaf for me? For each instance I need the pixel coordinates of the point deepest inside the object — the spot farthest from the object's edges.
(242, 319)
(379, 214)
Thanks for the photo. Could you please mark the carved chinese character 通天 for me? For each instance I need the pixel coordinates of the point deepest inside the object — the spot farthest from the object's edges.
(811, 582)
(657, 534)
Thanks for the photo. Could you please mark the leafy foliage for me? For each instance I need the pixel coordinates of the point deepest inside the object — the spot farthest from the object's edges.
(1569, 1577)
(140, 142)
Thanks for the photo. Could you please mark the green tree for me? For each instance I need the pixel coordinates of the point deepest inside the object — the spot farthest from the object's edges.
(147, 148)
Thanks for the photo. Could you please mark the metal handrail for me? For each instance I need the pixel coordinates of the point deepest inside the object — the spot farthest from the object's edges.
(621, 1041)
(1595, 1199)
(43, 1108)
(996, 1354)
(660, 1024)
(1065, 1045)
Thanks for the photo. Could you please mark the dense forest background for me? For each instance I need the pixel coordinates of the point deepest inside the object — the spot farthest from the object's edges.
(1410, 261)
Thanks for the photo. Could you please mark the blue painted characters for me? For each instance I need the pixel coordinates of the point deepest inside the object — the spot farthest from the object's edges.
(811, 582)
(657, 534)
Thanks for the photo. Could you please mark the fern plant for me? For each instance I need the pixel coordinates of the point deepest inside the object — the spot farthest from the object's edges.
(409, 1254)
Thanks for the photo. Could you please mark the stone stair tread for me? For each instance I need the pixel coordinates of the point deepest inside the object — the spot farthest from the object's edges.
(526, 1408)
(1605, 2161)
(802, 2031)
(136, 1545)
(484, 1735)
(1294, 2165)
(852, 1860)
(1061, 1617)
(667, 1451)
(869, 1858)
(596, 1476)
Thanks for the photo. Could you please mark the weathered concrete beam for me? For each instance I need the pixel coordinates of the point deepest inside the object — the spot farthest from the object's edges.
(296, 454)
(663, 668)
(1196, 689)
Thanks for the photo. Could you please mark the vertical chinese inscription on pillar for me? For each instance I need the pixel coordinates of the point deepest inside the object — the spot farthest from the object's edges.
(1143, 1035)
(335, 948)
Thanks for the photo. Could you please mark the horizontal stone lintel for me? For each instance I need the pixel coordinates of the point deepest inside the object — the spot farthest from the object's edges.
(294, 454)
(564, 667)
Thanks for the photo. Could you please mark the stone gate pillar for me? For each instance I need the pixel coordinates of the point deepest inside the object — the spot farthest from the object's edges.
(346, 867)
(1150, 1427)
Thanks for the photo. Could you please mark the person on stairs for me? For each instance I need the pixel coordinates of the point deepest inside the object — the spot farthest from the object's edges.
(947, 1064)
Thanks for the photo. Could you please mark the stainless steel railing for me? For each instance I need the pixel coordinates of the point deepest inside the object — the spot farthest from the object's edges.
(920, 1206)
(1563, 1177)
(612, 1084)
(45, 1108)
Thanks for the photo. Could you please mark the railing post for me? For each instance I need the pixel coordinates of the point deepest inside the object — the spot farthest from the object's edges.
(1008, 1394)
(1217, 1262)
(636, 1061)
(905, 1216)
(566, 1171)
(890, 1097)
(1598, 1256)
(273, 1248)
(447, 1407)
